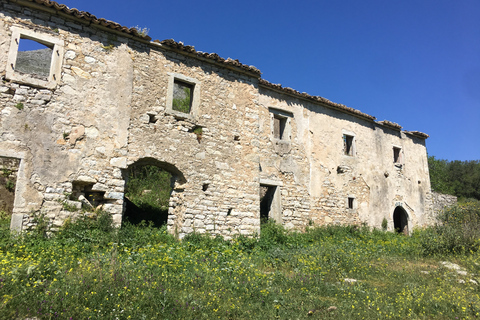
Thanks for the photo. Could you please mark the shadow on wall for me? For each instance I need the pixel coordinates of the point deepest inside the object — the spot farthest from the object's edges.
(155, 216)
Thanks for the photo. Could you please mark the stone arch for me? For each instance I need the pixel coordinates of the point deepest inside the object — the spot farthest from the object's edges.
(174, 171)
(400, 220)
(149, 184)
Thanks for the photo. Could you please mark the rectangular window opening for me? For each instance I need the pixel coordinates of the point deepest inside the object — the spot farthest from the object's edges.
(279, 124)
(350, 202)
(397, 155)
(34, 58)
(182, 96)
(348, 146)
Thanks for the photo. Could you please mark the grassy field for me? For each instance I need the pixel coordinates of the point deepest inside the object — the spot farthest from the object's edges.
(90, 271)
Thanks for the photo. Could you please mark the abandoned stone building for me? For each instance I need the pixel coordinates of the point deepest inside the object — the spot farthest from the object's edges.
(100, 98)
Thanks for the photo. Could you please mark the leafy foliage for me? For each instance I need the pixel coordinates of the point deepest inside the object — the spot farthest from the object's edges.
(149, 186)
(90, 270)
(458, 231)
(182, 99)
(148, 192)
(460, 178)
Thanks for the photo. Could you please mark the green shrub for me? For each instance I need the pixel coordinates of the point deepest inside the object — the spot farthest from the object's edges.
(143, 234)
(384, 224)
(148, 192)
(182, 101)
(10, 185)
(95, 228)
(458, 231)
(272, 234)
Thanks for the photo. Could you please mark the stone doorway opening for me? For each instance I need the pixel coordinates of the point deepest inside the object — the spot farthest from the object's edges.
(400, 220)
(149, 184)
(266, 198)
(270, 205)
(8, 181)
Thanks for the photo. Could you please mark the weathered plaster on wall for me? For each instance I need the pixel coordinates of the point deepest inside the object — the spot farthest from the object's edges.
(111, 109)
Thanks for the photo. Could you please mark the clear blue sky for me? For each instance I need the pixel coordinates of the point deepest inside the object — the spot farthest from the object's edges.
(416, 63)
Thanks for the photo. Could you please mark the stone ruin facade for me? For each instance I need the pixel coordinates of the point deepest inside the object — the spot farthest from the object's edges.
(108, 99)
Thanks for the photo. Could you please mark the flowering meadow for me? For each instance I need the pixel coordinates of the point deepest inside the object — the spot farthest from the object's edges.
(91, 271)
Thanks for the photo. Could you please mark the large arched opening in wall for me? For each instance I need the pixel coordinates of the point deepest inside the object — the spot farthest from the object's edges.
(400, 220)
(149, 184)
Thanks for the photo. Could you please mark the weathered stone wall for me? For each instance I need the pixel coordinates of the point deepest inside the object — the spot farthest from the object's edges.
(107, 105)
(440, 201)
(324, 177)
(223, 158)
(74, 132)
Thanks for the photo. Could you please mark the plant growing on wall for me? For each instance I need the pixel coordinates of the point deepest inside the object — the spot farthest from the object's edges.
(198, 131)
(10, 185)
(142, 31)
(384, 224)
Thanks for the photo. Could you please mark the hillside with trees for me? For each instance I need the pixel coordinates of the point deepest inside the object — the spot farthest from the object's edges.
(459, 178)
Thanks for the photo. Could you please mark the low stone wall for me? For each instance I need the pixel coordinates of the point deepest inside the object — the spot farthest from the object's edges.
(440, 201)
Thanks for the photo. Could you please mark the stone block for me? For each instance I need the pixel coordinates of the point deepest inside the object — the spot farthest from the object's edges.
(120, 162)
(99, 187)
(113, 208)
(114, 195)
(198, 224)
(86, 179)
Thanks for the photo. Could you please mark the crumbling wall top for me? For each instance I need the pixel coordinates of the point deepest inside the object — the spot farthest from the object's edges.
(317, 99)
(86, 16)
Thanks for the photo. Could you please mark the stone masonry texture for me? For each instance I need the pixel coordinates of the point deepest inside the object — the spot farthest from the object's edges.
(107, 105)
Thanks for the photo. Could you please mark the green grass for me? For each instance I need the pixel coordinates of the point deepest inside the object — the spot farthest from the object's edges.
(90, 271)
(148, 191)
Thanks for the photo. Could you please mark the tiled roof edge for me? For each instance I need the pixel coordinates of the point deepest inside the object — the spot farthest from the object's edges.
(179, 46)
(389, 124)
(317, 99)
(88, 17)
(418, 134)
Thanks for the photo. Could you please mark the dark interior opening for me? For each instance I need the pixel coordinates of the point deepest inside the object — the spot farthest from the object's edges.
(81, 188)
(279, 124)
(348, 145)
(266, 198)
(396, 155)
(350, 202)
(400, 220)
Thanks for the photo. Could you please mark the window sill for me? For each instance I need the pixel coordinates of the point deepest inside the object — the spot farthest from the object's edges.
(180, 115)
(29, 80)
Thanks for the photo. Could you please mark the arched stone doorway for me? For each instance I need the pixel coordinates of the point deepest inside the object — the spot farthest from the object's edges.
(149, 184)
(400, 220)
